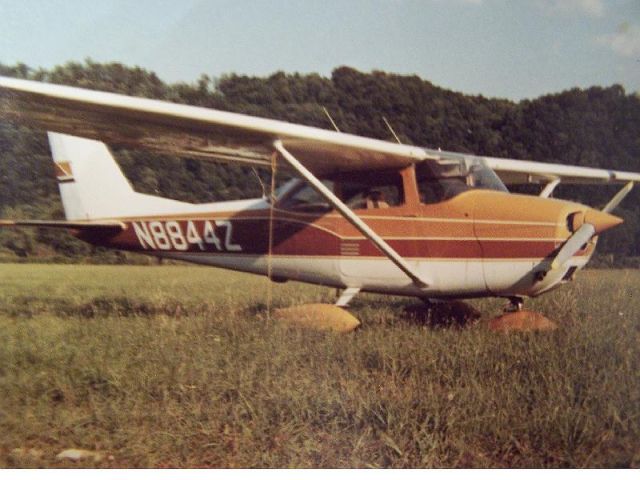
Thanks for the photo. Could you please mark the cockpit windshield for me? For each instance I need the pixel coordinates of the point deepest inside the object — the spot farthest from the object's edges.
(444, 179)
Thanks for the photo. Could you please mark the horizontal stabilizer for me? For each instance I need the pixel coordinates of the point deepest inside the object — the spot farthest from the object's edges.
(106, 227)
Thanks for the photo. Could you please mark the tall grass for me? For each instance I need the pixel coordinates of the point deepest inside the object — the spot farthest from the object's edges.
(179, 366)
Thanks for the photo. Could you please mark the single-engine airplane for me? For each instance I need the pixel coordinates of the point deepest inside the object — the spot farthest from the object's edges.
(362, 214)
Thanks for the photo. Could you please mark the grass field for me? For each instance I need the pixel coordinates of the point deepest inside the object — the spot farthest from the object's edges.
(178, 366)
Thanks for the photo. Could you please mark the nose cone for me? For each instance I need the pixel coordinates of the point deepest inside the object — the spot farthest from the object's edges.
(600, 220)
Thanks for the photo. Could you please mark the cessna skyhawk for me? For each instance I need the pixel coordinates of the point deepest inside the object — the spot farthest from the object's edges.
(362, 215)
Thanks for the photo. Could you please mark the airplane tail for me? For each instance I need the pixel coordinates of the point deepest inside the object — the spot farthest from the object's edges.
(92, 185)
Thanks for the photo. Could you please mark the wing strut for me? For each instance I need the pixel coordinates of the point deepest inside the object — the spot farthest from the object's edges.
(348, 214)
(549, 188)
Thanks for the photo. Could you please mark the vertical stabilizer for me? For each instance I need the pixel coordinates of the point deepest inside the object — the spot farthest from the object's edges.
(90, 181)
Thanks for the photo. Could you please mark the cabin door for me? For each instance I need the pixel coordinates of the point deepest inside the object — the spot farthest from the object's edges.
(378, 198)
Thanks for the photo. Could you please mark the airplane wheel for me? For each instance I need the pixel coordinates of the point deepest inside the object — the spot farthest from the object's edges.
(521, 321)
(317, 316)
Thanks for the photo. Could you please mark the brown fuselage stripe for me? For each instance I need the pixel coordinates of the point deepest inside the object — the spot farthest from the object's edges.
(251, 235)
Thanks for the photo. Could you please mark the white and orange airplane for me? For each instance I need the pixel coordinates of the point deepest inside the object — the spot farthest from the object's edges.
(362, 214)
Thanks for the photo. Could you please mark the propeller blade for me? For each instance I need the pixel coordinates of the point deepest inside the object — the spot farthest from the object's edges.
(573, 245)
(615, 201)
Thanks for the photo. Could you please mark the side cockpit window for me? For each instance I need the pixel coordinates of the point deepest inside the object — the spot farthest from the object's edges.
(371, 191)
(358, 190)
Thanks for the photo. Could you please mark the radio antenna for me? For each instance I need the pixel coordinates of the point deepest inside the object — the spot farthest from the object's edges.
(330, 119)
(391, 129)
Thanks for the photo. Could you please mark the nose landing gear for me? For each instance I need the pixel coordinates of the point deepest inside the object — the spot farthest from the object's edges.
(515, 305)
(515, 318)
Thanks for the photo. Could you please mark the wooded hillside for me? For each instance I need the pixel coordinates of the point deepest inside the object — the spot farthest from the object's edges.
(598, 127)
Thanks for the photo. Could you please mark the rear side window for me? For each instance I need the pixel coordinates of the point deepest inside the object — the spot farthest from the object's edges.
(307, 199)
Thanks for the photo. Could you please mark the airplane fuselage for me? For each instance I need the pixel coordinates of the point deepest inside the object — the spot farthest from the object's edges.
(479, 243)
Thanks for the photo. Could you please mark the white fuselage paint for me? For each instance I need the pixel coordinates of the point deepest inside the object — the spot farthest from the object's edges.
(453, 278)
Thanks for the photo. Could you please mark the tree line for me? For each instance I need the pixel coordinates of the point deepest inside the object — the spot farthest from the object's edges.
(596, 127)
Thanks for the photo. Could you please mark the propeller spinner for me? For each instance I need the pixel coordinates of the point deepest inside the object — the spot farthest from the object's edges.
(588, 224)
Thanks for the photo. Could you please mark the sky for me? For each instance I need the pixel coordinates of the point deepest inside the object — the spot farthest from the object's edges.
(511, 49)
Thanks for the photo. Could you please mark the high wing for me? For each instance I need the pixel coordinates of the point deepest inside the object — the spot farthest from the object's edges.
(518, 172)
(191, 131)
(217, 135)
(521, 171)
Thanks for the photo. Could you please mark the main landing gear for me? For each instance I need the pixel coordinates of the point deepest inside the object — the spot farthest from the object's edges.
(322, 316)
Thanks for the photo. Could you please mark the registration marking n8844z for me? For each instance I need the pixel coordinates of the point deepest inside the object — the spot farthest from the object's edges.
(172, 235)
